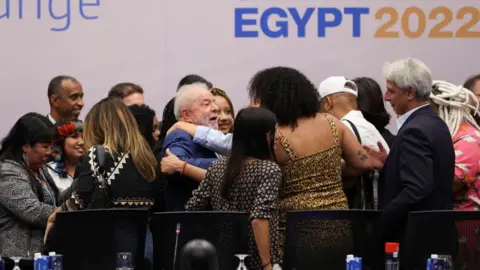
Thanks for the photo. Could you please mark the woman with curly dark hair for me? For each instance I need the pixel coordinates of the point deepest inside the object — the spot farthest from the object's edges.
(310, 149)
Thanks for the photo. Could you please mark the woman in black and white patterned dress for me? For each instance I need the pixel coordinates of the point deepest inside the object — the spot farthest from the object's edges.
(248, 181)
(129, 166)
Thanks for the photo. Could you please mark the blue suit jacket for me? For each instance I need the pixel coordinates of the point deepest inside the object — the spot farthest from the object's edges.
(418, 173)
(179, 188)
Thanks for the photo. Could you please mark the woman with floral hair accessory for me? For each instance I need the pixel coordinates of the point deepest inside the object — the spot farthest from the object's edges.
(67, 150)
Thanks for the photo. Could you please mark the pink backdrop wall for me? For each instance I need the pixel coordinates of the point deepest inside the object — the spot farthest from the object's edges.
(155, 42)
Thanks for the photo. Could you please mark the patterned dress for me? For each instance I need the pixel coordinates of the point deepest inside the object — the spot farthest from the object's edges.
(255, 190)
(314, 182)
(126, 185)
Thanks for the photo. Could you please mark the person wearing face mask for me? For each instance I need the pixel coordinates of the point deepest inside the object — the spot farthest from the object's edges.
(226, 114)
(28, 195)
(67, 150)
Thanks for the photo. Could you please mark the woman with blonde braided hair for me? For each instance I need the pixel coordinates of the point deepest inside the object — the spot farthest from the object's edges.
(457, 105)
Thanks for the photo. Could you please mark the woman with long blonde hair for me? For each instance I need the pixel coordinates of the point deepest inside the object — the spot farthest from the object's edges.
(129, 166)
(110, 123)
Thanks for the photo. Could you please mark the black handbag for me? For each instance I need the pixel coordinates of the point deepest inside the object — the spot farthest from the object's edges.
(101, 197)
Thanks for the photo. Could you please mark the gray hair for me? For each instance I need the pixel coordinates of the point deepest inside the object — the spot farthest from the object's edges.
(410, 73)
(186, 95)
(455, 105)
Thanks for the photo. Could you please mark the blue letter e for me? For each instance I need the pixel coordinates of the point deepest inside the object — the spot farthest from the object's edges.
(240, 22)
(322, 19)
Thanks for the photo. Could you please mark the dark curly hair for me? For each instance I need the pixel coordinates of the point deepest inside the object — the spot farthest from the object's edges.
(286, 92)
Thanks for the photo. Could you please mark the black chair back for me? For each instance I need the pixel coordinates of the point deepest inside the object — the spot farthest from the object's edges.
(91, 239)
(452, 233)
(323, 239)
(227, 231)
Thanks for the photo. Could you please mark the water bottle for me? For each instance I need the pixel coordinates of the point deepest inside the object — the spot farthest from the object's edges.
(2, 264)
(391, 256)
(353, 263)
(434, 263)
(55, 261)
(50, 260)
(40, 262)
(124, 261)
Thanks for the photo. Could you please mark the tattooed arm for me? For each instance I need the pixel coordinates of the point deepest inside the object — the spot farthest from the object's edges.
(356, 158)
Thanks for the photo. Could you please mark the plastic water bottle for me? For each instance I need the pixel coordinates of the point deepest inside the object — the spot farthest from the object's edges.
(2, 264)
(50, 259)
(391, 256)
(353, 263)
(435, 263)
(40, 262)
(55, 261)
(124, 261)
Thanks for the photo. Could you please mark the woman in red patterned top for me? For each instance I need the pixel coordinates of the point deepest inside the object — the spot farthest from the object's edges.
(457, 106)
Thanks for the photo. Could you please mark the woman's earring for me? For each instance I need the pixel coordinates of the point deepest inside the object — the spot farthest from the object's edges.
(25, 159)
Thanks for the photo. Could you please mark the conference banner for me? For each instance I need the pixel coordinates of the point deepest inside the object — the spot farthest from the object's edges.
(155, 42)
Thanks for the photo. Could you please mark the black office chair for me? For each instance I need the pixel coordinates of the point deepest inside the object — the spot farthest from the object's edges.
(227, 231)
(91, 239)
(323, 239)
(452, 233)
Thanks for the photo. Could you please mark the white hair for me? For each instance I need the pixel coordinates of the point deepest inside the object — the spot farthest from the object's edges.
(186, 95)
(455, 105)
(410, 73)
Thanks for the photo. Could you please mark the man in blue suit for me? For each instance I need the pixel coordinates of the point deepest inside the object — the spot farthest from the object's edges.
(419, 170)
(193, 104)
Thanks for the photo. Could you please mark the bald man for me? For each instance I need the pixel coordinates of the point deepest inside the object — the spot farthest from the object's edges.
(338, 96)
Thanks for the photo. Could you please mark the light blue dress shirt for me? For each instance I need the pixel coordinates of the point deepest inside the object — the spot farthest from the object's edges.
(214, 140)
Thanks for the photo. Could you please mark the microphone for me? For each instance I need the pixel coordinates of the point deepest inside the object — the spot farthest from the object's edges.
(177, 234)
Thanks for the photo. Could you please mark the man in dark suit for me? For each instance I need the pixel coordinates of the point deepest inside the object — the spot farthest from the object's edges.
(418, 173)
(193, 104)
